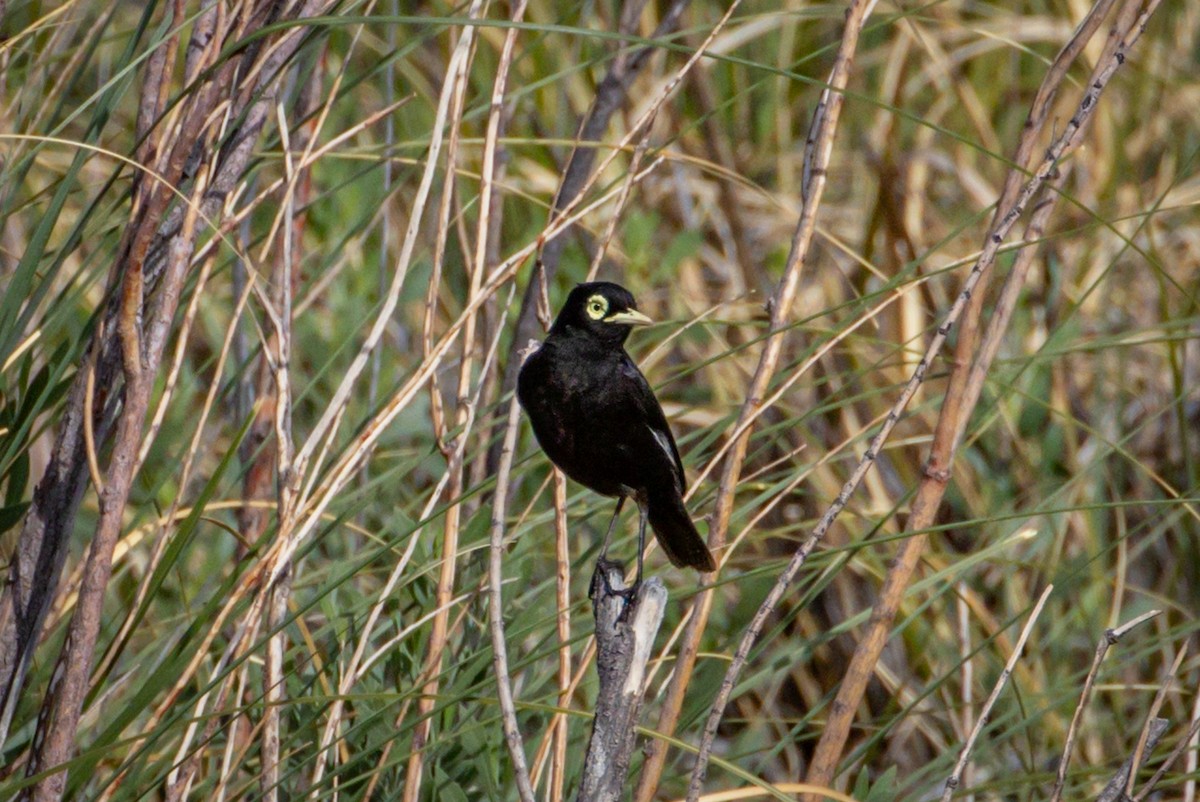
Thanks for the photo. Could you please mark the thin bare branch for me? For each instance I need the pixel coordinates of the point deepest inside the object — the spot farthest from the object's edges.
(986, 711)
(962, 394)
(1110, 639)
(821, 770)
(817, 154)
(512, 733)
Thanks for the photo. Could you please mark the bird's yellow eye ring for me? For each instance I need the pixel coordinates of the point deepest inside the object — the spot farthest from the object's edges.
(597, 307)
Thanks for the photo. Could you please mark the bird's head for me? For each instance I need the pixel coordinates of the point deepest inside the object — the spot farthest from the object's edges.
(600, 308)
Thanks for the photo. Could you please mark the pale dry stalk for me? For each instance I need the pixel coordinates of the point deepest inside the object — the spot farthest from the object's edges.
(562, 590)
(1188, 742)
(985, 712)
(1114, 791)
(465, 410)
(821, 146)
(179, 781)
(512, 733)
(961, 394)
(287, 480)
(437, 413)
(54, 738)
(326, 425)
(1143, 747)
(1109, 639)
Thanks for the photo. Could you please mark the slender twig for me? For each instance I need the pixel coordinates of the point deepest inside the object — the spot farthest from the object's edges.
(179, 781)
(1110, 638)
(62, 706)
(985, 712)
(562, 587)
(1159, 697)
(512, 734)
(1114, 791)
(359, 663)
(968, 671)
(287, 480)
(437, 415)
(325, 425)
(818, 151)
(385, 218)
(1003, 226)
(635, 162)
(1186, 742)
(465, 411)
(962, 394)
(1190, 743)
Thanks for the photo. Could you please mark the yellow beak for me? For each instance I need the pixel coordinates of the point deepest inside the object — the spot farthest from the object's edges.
(630, 317)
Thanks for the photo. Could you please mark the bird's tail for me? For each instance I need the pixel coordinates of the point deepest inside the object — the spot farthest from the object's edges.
(677, 534)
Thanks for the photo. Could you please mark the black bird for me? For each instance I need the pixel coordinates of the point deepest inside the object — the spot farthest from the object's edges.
(597, 419)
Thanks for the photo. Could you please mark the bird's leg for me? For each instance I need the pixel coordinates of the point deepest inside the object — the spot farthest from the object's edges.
(637, 583)
(629, 594)
(612, 525)
(600, 574)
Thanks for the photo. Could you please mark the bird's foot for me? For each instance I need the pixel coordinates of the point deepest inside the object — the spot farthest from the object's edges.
(601, 583)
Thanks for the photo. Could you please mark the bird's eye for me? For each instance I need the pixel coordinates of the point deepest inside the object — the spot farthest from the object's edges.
(597, 305)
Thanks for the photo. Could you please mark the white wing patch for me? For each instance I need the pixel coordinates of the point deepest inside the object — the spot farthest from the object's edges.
(664, 443)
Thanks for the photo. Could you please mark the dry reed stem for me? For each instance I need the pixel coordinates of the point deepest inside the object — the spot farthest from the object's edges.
(325, 427)
(820, 146)
(89, 426)
(437, 415)
(562, 588)
(962, 394)
(54, 737)
(1188, 741)
(465, 411)
(986, 711)
(512, 732)
(1192, 744)
(1000, 230)
(358, 663)
(179, 780)
(1109, 639)
(967, 682)
(166, 521)
(635, 164)
(287, 479)
(1114, 791)
(743, 428)
(1160, 696)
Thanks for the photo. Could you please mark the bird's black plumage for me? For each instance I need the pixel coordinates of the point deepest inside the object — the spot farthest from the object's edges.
(597, 419)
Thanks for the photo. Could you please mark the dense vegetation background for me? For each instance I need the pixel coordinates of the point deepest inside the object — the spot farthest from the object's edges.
(318, 229)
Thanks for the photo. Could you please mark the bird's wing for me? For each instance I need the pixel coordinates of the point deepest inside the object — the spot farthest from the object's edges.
(656, 421)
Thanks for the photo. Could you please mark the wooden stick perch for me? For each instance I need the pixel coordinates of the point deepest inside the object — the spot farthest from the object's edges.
(624, 639)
